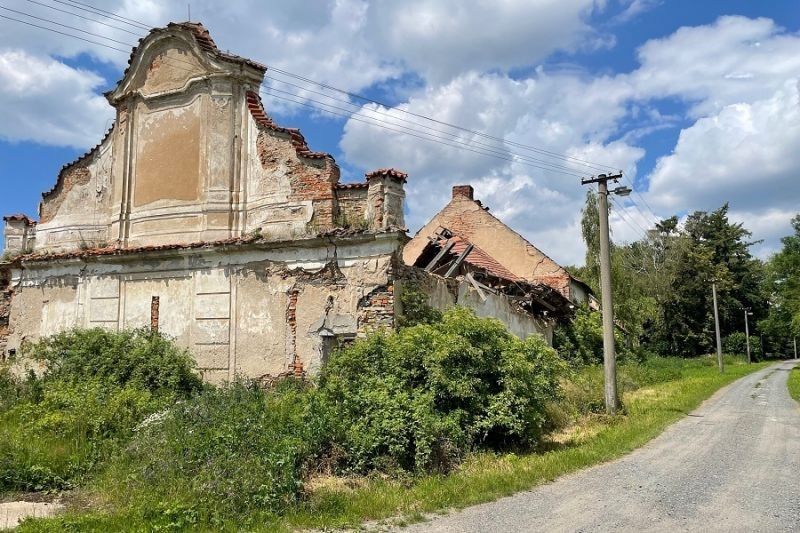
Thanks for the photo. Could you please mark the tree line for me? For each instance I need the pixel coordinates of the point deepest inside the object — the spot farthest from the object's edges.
(662, 287)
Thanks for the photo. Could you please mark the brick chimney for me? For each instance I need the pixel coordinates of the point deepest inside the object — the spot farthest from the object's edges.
(463, 191)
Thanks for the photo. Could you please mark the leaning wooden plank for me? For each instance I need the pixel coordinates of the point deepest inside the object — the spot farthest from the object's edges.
(446, 248)
(457, 262)
(477, 286)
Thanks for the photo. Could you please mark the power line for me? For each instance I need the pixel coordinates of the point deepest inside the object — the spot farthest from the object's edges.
(62, 25)
(590, 164)
(83, 17)
(394, 117)
(62, 33)
(104, 13)
(483, 148)
(596, 166)
(629, 221)
(417, 134)
(375, 122)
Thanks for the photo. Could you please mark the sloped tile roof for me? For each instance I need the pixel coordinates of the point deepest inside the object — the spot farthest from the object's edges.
(478, 258)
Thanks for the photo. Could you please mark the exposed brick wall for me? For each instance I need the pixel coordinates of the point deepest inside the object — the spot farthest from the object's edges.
(310, 178)
(77, 175)
(154, 312)
(352, 204)
(295, 364)
(376, 310)
(5, 309)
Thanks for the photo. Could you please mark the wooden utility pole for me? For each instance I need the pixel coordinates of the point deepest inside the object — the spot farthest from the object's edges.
(716, 326)
(607, 308)
(747, 332)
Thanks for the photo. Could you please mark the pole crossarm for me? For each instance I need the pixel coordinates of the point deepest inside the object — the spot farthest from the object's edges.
(602, 178)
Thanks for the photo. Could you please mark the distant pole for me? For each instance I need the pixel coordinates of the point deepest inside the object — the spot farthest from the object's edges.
(795, 347)
(747, 333)
(609, 352)
(716, 326)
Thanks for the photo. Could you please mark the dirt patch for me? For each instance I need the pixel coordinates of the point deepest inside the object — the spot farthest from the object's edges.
(12, 513)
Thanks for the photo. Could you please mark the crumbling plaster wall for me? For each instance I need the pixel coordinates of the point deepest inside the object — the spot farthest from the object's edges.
(283, 193)
(19, 236)
(76, 213)
(444, 293)
(242, 311)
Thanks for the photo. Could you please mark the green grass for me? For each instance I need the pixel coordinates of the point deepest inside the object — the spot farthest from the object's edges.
(794, 383)
(655, 395)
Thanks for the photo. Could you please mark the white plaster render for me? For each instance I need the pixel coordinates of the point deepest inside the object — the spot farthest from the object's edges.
(258, 257)
(227, 305)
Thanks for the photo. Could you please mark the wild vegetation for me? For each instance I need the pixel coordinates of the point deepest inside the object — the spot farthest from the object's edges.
(449, 410)
(124, 416)
(96, 387)
(243, 458)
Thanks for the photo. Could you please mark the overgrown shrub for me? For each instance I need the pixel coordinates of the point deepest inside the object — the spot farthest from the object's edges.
(580, 340)
(736, 344)
(415, 308)
(235, 450)
(96, 387)
(421, 398)
(133, 357)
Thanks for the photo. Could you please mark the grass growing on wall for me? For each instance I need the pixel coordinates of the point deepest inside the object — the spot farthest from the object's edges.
(655, 394)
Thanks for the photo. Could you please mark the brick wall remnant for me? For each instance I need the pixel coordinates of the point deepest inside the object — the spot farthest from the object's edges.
(464, 190)
(295, 364)
(351, 199)
(385, 196)
(376, 310)
(5, 310)
(154, 305)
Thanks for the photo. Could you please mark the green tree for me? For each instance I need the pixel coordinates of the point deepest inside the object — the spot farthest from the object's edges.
(715, 249)
(782, 286)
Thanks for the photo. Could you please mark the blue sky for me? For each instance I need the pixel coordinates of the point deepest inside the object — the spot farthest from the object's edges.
(696, 101)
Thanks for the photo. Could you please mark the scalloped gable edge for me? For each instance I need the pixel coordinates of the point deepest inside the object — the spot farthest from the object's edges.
(88, 155)
(256, 107)
(203, 39)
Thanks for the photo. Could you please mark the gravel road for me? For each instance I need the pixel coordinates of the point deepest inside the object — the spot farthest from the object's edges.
(732, 465)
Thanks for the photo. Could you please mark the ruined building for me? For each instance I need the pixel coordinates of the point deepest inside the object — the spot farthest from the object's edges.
(470, 221)
(198, 216)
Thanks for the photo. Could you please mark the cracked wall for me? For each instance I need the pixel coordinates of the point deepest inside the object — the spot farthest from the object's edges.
(248, 311)
(444, 293)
